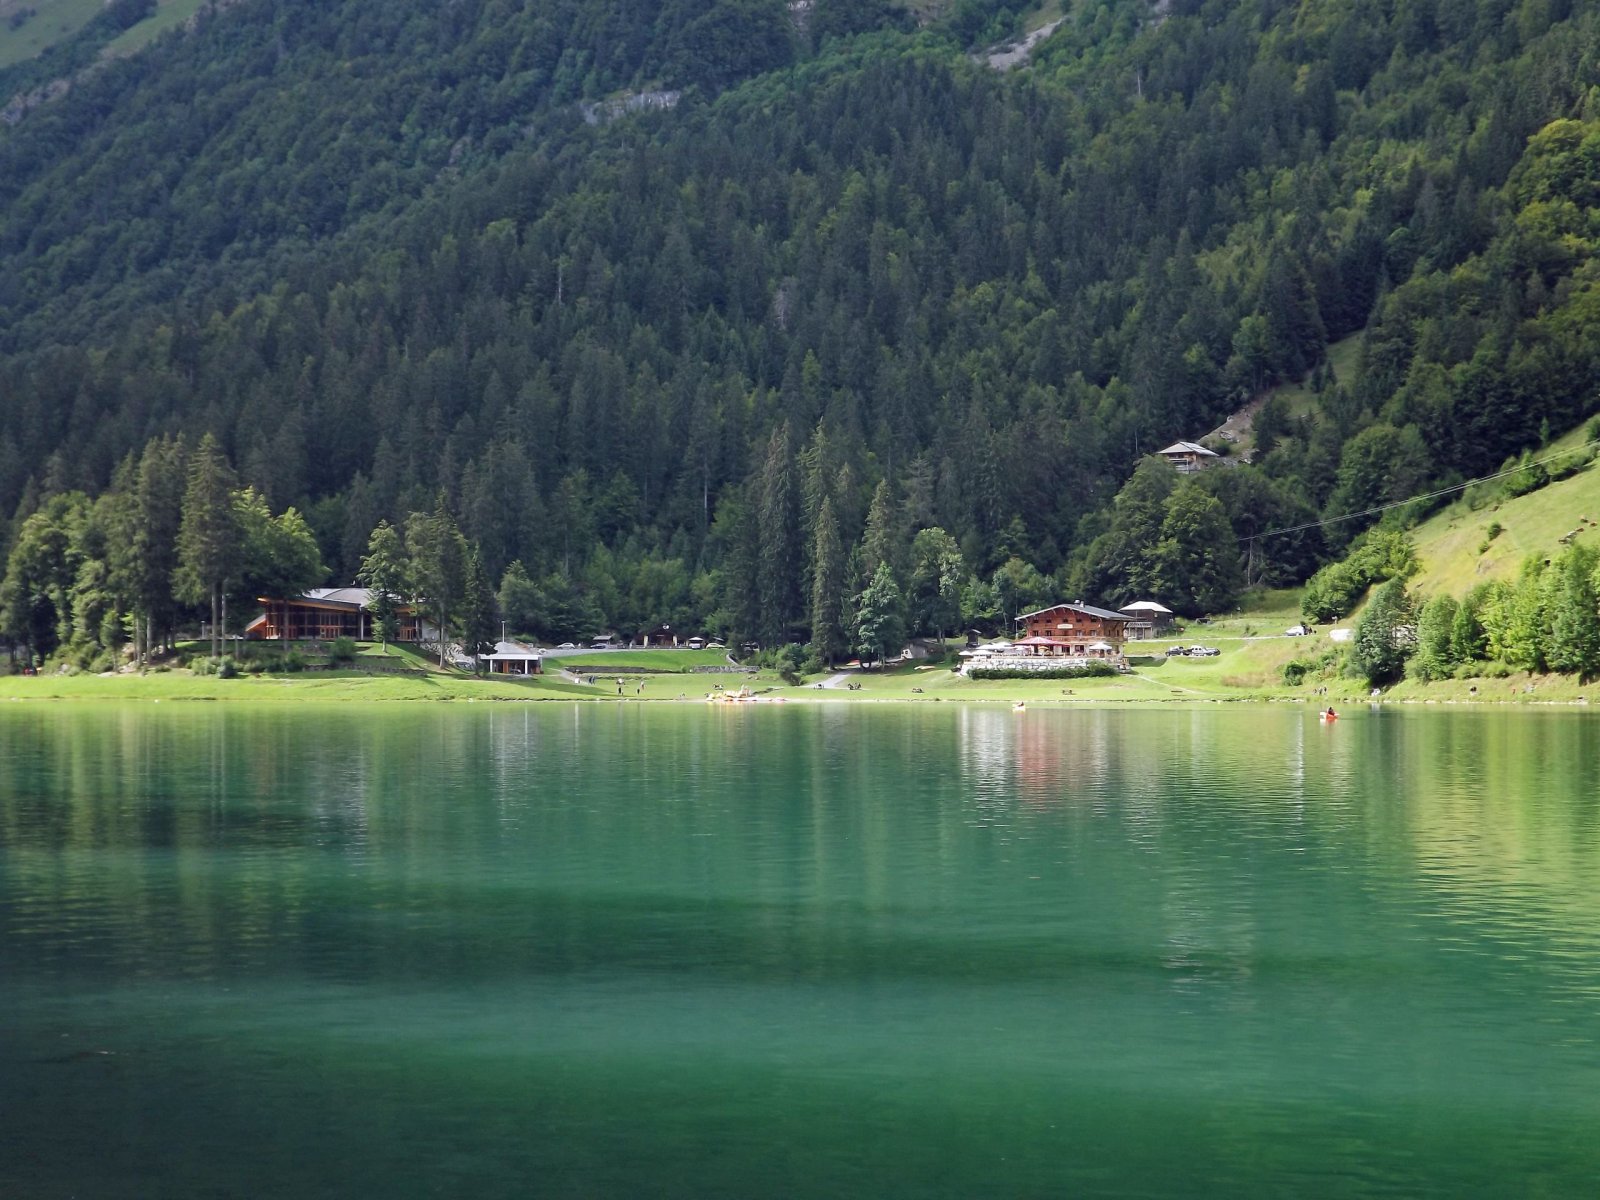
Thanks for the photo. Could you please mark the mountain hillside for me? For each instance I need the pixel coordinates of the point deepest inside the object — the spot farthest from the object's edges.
(853, 288)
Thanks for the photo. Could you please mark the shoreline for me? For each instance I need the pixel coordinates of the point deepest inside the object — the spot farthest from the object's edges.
(1544, 692)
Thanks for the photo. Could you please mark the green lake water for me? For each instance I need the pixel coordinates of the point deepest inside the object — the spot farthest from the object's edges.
(635, 950)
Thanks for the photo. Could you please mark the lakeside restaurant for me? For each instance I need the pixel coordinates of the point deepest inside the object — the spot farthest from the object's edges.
(324, 614)
(1062, 635)
(1072, 630)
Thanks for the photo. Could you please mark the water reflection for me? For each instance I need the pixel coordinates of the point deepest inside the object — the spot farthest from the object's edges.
(1172, 952)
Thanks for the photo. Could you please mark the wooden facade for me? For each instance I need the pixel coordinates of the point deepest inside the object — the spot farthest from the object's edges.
(1069, 630)
(1188, 457)
(324, 614)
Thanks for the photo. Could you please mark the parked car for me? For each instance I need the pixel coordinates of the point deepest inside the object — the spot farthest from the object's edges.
(1203, 651)
(566, 646)
(1175, 650)
(1297, 630)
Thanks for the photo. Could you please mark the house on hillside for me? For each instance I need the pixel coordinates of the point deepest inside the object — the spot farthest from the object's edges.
(327, 613)
(1147, 619)
(1070, 630)
(1188, 457)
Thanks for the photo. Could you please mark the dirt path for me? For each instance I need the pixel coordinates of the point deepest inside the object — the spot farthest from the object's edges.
(1016, 54)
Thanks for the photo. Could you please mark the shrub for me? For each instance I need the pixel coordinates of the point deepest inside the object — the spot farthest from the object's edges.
(342, 650)
(1087, 671)
(225, 667)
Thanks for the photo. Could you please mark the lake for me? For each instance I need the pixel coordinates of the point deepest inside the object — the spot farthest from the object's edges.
(626, 950)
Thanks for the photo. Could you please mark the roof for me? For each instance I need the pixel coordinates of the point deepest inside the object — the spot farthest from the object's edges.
(1146, 606)
(1087, 609)
(1189, 448)
(515, 650)
(338, 597)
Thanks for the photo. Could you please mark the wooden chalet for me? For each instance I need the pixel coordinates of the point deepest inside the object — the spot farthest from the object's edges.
(1073, 631)
(1147, 619)
(323, 614)
(1188, 457)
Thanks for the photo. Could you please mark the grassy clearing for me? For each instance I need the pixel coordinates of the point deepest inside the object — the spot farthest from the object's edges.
(169, 14)
(649, 660)
(1342, 355)
(52, 21)
(314, 686)
(1457, 553)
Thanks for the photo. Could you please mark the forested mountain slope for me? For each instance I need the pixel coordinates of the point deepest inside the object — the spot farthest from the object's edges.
(853, 279)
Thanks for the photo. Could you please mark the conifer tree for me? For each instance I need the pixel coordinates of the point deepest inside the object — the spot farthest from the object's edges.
(882, 541)
(208, 536)
(827, 587)
(778, 579)
(437, 556)
(480, 618)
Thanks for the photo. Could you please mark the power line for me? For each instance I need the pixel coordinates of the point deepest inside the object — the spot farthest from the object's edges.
(1433, 495)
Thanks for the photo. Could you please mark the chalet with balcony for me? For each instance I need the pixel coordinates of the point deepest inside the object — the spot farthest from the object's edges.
(1188, 457)
(1074, 631)
(1146, 619)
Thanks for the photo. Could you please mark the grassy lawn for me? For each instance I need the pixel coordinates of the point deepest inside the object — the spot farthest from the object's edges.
(1451, 543)
(647, 660)
(297, 688)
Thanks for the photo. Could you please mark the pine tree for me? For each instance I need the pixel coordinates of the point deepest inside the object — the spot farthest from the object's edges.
(153, 551)
(480, 618)
(437, 567)
(208, 536)
(827, 587)
(882, 542)
(778, 578)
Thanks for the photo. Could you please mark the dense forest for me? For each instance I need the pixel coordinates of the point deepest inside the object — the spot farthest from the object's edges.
(843, 314)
